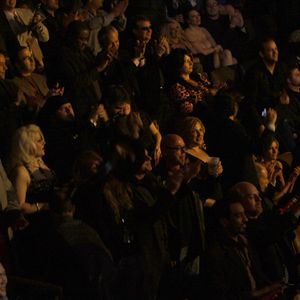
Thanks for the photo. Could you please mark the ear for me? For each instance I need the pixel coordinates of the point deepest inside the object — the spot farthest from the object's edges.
(224, 222)
(261, 54)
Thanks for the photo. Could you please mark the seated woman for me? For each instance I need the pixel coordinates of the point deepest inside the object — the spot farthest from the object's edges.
(203, 43)
(31, 177)
(133, 124)
(268, 157)
(175, 35)
(188, 89)
(176, 39)
(192, 130)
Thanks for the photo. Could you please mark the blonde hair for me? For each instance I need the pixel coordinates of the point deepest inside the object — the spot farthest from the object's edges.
(24, 148)
(186, 126)
(165, 31)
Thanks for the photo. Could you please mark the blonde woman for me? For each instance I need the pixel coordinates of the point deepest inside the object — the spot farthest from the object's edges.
(175, 35)
(31, 177)
(193, 130)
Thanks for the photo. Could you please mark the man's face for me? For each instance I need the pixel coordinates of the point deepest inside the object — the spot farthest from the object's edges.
(270, 52)
(3, 281)
(3, 66)
(175, 151)
(143, 30)
(112, 42)
(194, 18)
(212, 8)
(10, 4)
(26, 61)
(65, 112)
(294, 78)
(51, 4)
(83, 39)
(252, 201)
(238, 219)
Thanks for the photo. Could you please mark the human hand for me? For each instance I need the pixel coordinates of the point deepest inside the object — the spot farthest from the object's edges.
(162, 46)
(271, 116)
(101, 113)
(139, 49)
(157, 155)
(186, 107)
(56, 91)
(119, 8)
(105, 58)
(284, 98)
(218, 48)
(236, 19)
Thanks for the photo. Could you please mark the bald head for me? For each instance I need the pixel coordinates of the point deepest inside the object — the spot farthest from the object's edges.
(249, 197)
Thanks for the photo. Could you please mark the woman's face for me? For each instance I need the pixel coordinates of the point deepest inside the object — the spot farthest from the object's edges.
(187, 67)
(121, 109)
(82, 39)
(174, 30)
(197, 135)
(272, 152)
(40, 145)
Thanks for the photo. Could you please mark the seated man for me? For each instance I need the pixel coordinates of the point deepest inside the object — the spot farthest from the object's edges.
(66, 135)
(269, 231)
(228, 30)
(94, 270)
(33, 86)
(97, 19)
(27, 27)
(233, 271)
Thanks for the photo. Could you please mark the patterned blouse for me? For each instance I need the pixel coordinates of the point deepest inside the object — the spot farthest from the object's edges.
(183, 91)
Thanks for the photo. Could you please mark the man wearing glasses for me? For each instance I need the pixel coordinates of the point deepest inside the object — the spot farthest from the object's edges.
(145, 53)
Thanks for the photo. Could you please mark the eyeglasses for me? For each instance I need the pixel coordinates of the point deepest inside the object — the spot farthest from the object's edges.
(178, 148)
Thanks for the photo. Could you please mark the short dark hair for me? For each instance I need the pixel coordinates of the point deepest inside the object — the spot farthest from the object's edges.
(74, 29)
(139, 18)
(222, 207)
(266, 140)
(116, 94)
(62, 199)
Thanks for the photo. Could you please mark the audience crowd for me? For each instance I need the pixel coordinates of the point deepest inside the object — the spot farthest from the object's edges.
(150, 149)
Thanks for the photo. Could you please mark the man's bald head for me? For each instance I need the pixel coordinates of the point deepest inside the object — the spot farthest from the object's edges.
(249, 197)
